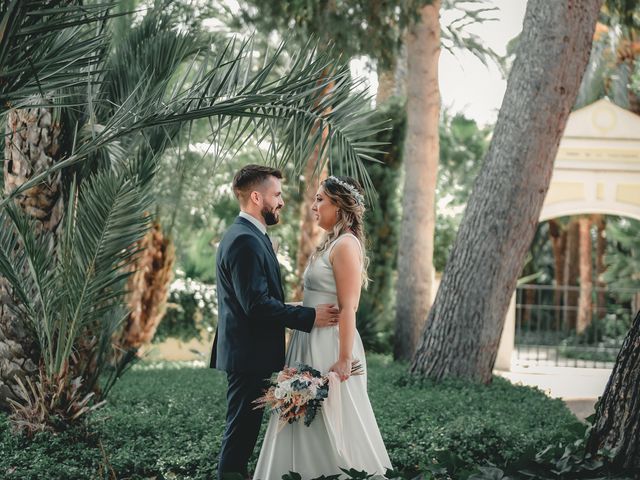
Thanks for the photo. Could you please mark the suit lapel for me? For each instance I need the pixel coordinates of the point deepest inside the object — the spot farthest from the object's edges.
(267, 245)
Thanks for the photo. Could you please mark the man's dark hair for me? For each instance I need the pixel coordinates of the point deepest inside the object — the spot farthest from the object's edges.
(251, 176)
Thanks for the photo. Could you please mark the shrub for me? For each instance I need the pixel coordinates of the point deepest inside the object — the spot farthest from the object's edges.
(422, 421)
(167, 422)
(191, 308)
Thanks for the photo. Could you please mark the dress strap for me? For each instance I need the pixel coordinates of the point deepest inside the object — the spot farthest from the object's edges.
(333, 244)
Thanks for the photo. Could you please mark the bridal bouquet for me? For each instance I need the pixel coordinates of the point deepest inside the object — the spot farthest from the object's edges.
(296, 393)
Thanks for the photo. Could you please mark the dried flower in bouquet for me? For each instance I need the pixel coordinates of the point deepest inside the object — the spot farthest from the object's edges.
(296, 393)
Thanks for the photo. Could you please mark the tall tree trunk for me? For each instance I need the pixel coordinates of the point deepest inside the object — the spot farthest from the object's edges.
(528, 302)
(635, 302)
(465, 324)
(32, 144)
(401, 70)
(617, 422)
(422, 149)
(571, 273)
(377, 307)
(558, 236)
(585, 304)
(601, 247)
(386, 83)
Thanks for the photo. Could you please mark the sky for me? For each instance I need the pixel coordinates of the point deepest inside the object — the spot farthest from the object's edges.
(466, 84)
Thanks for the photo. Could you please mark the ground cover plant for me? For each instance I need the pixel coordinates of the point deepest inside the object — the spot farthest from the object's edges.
(165, 421)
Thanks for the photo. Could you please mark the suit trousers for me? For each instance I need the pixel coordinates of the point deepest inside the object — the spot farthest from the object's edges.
(243, 422)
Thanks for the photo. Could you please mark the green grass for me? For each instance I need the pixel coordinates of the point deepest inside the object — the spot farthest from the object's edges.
(167, 423)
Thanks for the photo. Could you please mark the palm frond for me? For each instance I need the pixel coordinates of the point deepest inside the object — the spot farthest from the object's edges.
(45, 46)
(153, 51)
(316, 92)
(13, 261)
(26, 262)
(145, 58)
(100, 242)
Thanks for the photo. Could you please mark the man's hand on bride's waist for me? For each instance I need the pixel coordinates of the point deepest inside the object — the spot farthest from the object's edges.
(326, 315)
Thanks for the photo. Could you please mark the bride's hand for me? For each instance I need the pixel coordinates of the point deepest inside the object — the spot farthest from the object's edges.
(343, 368)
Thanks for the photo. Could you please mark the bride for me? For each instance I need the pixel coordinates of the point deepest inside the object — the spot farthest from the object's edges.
(345, 433)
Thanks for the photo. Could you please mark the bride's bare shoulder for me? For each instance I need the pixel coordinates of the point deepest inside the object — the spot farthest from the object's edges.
(347, 245)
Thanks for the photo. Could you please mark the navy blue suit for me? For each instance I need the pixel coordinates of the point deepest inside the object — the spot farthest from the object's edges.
(250, 339)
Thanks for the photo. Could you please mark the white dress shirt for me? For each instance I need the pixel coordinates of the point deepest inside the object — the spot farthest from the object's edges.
(259, 225)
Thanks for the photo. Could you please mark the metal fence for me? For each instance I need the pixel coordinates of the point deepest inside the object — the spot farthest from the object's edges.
(553, 329)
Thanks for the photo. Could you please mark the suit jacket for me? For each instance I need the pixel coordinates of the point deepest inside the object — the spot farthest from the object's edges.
(252, 315)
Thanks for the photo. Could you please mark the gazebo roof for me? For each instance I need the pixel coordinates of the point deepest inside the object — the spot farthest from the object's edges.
(597, 168)
(603, 119)
(601, 136)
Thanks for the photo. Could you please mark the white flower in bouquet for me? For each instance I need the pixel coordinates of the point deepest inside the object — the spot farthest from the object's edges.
(298, 393)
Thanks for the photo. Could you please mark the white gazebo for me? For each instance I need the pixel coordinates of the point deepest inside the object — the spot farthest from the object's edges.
(597, 170)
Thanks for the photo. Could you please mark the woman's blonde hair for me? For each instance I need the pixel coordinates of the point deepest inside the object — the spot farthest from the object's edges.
(346, 194)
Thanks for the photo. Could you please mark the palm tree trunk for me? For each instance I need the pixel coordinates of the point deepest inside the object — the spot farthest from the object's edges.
(32, 144)
(149, 289)
(571, 273)
(585, 305)
(422, 150)
(465, 323)
(18, 351)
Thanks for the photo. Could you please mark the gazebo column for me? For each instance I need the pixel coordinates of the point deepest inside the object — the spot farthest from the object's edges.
(507, 341)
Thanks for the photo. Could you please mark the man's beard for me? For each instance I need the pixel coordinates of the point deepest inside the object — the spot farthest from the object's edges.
(270, 217)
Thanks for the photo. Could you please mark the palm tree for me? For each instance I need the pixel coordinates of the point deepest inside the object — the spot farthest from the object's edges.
(68, 286)
(44, 46)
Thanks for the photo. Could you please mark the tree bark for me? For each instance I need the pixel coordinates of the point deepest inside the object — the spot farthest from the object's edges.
(422, 150)
(386, 84)
(32, 144)
(465, 324)
(585, 305)
(527, 302)
(148, 289)
(601, 247)
(617, 422)
(635, 302)
(571, 274)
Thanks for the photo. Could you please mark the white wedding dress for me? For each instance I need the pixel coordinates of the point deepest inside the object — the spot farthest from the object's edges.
(344, 433)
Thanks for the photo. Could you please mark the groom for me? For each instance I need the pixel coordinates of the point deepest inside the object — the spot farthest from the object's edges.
(249, 344)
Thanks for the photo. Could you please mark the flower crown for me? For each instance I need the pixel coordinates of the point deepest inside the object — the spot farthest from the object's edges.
(350, 188)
